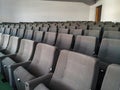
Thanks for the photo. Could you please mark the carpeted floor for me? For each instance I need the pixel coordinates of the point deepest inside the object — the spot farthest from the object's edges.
(5, 85)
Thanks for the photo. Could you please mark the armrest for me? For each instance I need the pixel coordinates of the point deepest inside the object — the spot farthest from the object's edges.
(30, 85)
(23, 64)
(9, 55)
(12, 68)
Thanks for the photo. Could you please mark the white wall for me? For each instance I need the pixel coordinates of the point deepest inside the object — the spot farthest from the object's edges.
(38, 10)
(110, 10)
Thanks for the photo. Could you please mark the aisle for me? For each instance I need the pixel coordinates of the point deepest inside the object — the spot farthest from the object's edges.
(4, 86)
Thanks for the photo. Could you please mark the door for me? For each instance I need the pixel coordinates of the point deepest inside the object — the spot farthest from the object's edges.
(98, 13)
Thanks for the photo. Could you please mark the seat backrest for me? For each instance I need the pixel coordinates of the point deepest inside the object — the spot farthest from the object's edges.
(64, 41)
(13, 45)
(95, 28)
(28, 34)
(5, 40)
(25, 51)
(94, 33)
(76, 31)
(112, 78)
(45, 29)
(61, 30)
(110, 51)
(53, 29)
(20, 33)
(13, 31)
(74, 71)
(37, 28)
(44, 58)
(38, 36)
(2, 30)
(49, 38)
(7, 31)
(111, 34)
(111, 28)
(85, 45)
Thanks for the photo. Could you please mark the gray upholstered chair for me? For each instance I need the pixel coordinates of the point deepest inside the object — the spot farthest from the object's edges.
(28, 34)
(38, 36)
(85, 45)
(49, 38)
(43, 63)
(64, 41)
(112, 78)
(110, 51)
(111, 34)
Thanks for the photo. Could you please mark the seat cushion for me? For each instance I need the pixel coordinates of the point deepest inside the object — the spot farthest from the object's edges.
(41, 87)
(21, 75)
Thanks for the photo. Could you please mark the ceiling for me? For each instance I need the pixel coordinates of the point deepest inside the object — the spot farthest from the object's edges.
(89, 2)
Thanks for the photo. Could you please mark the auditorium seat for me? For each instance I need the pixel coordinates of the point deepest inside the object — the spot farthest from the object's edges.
(13, 31)
(95, 28)
(28, 34)
(112, 78)
(45, 29)
(49, 38)
(24, 54)
(85, 45)
(20, 33)
(64, 41)
(111, 34)
(4, 41)
(94, 33)
(61, 30)
(36, 28)
(110, 51)
(11, 48)
(74, 71)
(38, 36)
(111, 28)
(39, 67)
(76, 32)
(2, 30)
(7, 31)
(53, 29)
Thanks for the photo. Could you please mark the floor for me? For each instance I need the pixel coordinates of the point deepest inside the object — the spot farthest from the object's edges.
(4, 85)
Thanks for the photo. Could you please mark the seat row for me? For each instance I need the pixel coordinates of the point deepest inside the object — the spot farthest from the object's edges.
(30, 66)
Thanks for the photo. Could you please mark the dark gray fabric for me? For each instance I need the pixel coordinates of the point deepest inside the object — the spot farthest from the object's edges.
(13, 31)
(7, 31)
(63, 30)
(45, 29)
(110, 51)
(20, 33)
(111, 28)
(41, 87)
(112, 78)
(49, 38)
(95, 33)
(95, 28)
(64, 41)
(38, 36)
(4, 41)
(111, 34)
(28, 34)
(85, 45)
(23, 75)
(76, 31)
(74, 71)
